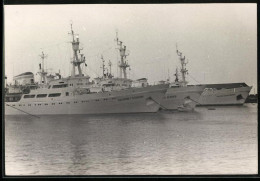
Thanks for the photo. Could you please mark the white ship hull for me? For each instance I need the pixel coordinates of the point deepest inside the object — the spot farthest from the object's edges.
(176, 97)
(233, 96)
(134, 100)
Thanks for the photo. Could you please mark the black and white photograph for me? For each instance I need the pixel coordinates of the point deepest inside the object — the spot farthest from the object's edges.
(130, 89)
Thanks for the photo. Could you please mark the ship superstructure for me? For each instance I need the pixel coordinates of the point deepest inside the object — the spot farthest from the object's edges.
(23, 83)
(77, 95)
(107, 81)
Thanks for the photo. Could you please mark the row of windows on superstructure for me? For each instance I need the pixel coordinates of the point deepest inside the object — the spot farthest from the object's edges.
(105, 99)
(128, 98)
(59, 86)
(112, 84)
(65, 85)
(80, 84)
(42, 95)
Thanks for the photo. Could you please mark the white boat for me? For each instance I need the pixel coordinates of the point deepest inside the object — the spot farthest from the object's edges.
(77, 95)
(225, 94)
(179, 95)
(69, 101)
(203, 94)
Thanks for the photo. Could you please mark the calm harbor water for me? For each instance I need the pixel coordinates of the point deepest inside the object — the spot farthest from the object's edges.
(220, 141)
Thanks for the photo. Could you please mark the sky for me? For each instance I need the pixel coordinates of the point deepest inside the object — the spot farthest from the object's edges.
(219, 41)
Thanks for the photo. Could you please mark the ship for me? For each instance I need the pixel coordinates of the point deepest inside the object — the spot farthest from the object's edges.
(224, 94)
(181, 96)
(76, 94)
(210, 94)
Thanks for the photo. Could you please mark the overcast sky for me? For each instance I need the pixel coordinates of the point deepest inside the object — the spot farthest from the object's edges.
(219, 40)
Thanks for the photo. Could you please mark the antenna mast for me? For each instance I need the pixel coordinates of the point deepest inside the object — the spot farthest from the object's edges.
(42, 72)
(76, 62)
(103, 66)
(184, 71)
(110, 64)
(176, 75)
(168, 79)
(123, 64)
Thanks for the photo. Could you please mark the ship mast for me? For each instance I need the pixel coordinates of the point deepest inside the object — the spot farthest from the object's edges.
(123, 64)
(42, 72)
(103, 66)
(110, 64)
(176, 75)
(184, 71)
(75, 60)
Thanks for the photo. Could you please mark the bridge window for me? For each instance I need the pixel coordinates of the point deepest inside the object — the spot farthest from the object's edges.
(41, 95)
(59, 86)
(28, 96)
(54, 95)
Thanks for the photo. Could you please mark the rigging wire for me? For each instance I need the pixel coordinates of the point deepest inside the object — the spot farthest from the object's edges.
(102, 52)
(93, 71)
(194, 79)
(22, 111)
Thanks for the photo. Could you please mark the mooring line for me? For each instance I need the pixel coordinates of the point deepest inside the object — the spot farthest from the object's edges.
(195, 101)
(23, 111)
(158, 103)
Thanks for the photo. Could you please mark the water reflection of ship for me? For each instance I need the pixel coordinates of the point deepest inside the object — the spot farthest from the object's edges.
(76, 94)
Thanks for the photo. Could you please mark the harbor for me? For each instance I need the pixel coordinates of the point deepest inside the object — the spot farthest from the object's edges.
(77, 94)
(129, 90)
